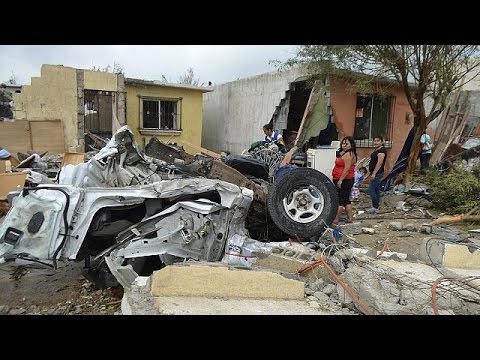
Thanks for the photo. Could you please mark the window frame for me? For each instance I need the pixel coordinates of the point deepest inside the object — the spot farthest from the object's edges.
(389, 121)
(177, 115)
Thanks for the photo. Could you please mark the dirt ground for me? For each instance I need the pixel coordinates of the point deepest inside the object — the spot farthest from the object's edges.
(27, 288)
(32, 289)
(402, 241)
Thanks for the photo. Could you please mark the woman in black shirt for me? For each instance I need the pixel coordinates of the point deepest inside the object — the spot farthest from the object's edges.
(376, 168)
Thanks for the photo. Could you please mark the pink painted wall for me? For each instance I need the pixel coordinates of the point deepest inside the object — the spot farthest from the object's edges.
(344, 101)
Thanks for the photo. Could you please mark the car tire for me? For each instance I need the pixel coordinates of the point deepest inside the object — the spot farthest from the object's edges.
(303, 202)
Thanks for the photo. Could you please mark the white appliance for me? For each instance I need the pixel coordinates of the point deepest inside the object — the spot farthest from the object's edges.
(323, 158)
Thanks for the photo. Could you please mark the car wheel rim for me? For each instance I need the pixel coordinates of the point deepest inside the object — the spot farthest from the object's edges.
(304, 205)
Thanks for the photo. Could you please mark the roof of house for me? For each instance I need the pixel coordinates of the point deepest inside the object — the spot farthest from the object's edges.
(11, 86)
(379, 79)
(355, 74)
(203, 89)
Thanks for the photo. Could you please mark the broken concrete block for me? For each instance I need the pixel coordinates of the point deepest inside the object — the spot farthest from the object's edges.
(342, 296)
(329, 289)
(431, 251)
(425, 228)
(474, 233)
(337, 264)
(284, 264)
(441, 252)
(320, 295)
(309, 292)
(317, 285)
(395, 225)
(409, 227)
(459, 256)
(348, 253)
(373, 253)
(369, 231)
(453, 238)
(219, 281)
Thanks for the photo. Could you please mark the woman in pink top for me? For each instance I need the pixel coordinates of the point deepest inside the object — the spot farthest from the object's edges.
(343, 175)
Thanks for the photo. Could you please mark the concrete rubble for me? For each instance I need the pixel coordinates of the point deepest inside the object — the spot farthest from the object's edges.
(213, 289)
(386, 284)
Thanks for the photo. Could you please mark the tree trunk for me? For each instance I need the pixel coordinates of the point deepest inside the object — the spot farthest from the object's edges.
(420, 126)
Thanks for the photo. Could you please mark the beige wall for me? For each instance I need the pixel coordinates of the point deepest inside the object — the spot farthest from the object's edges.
(51, 96)
(191, 110)
(97, 80)
(343, 101)
(54, 96)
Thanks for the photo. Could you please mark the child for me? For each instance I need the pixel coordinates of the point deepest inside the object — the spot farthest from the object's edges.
(359, 176)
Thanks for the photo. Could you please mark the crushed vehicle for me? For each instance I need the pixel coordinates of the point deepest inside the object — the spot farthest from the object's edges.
(126, 213)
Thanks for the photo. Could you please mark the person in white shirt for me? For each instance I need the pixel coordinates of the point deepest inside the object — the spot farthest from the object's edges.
(425, 151)
(272, 136)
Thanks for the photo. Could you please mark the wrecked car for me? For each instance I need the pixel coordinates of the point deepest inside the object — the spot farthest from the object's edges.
(126, 213)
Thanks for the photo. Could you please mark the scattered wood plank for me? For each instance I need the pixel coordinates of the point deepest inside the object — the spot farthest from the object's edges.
(452, 219)
(300, 139)
(9, 182)
(73, 158)
(201, 149)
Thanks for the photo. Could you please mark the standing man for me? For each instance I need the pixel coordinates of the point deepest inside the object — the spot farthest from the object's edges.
(376, 168)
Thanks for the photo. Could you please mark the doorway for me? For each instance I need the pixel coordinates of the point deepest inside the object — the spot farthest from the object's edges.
(98, 116)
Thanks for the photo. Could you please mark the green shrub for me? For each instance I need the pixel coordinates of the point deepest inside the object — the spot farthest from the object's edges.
(455, 190)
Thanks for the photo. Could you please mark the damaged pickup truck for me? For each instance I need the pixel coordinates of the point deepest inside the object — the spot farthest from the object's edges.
(128, 214)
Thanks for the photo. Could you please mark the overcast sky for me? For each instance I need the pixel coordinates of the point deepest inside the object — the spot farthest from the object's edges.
(216, 63)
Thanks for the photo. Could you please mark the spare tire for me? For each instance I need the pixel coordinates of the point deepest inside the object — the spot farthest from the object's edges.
(303, 202)
(248, 166)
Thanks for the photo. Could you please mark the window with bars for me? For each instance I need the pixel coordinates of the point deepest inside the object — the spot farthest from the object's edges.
(160, 114)
(372, 118)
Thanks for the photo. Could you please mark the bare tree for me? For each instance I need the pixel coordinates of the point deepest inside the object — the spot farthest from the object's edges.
(101, 68)
(13, 79)
(188, 78)
(116, 69)
(422, 71)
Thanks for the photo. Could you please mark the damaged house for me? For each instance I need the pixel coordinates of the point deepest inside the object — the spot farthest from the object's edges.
(65, 102)
(77, 107)
(456, 132)
(245, 105)
(170, 112)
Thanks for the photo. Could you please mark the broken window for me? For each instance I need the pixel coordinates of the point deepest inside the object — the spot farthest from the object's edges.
(160, 114)
(372, 118)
